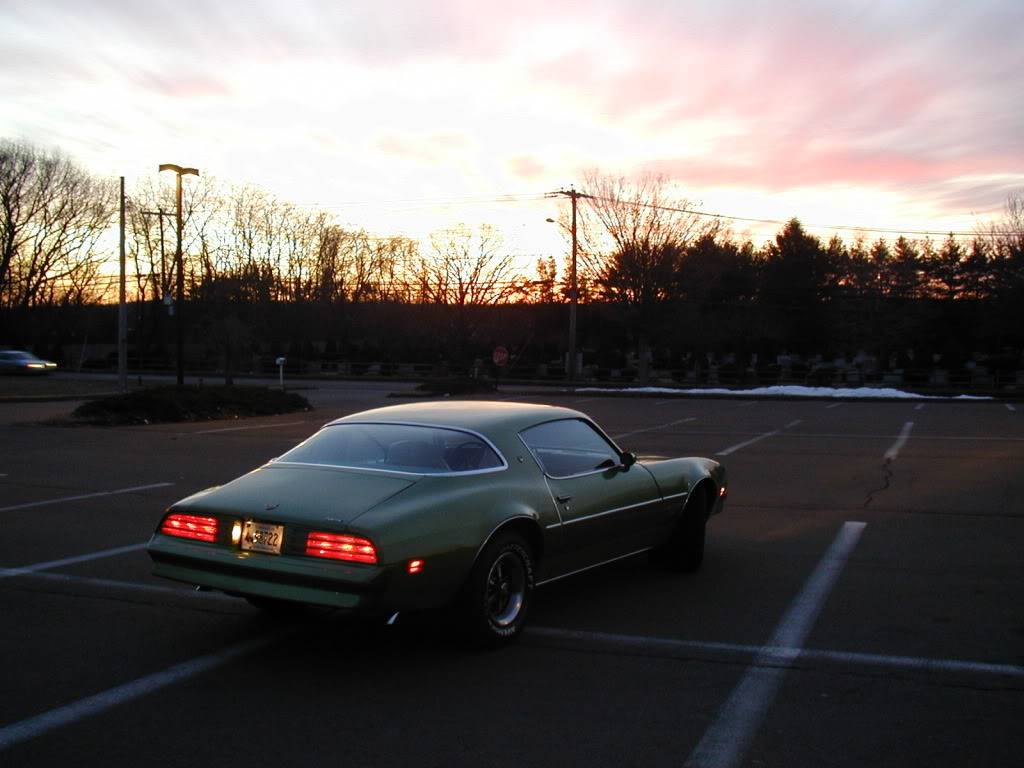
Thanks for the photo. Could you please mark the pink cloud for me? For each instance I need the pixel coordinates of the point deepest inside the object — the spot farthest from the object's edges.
(809, 97)
(527, 168)
(422, 149)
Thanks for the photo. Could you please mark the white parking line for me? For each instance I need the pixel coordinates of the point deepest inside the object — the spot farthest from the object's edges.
(919, 407)
(84, 496)
(671, 647)
(1009, 407)
(666, 402)
(240, 429)
(759, 438)
(745, 443)
(895, 448)
(725, 742)
(834, 405)
(51, 564)
(747, 404)
(654, 428)
(32, 727)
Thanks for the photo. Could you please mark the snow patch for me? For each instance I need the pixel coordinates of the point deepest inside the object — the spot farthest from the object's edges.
(849, 393)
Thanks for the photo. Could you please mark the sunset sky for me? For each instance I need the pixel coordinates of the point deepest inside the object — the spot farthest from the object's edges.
(409, 116)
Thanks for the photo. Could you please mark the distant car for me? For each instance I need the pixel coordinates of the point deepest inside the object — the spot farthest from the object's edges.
(16, 361)
(419, 506)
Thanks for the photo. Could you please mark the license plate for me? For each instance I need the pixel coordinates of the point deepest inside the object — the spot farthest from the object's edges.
(262, 537)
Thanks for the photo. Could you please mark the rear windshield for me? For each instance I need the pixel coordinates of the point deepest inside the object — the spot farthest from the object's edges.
(400, 447)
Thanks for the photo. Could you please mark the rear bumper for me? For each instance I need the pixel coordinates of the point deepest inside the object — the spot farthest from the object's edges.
(352, 588)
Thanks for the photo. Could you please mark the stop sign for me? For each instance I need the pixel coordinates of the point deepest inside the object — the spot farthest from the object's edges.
(500, 356)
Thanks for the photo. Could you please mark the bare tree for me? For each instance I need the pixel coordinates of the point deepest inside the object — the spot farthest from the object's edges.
(468, 268)
(634, 235)
(52, 216)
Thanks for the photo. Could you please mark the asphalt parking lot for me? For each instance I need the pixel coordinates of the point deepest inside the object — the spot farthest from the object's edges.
(862, 602)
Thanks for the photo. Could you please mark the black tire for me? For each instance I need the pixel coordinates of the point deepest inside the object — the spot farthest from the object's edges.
(496, 597)
(684, 550)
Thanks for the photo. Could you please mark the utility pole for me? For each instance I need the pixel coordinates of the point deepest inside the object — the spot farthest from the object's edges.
(122, 312)
(573, 196)
(178, 260)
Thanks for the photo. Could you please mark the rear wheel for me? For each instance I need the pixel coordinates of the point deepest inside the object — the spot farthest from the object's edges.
(497, 594)
(684, 550)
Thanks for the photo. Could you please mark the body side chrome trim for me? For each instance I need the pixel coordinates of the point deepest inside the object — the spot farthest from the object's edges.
(590, 567)
(612, 511)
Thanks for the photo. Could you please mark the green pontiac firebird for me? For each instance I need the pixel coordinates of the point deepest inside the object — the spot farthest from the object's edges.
(419, 506)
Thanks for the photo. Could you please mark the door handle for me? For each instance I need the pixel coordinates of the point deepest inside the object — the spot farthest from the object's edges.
(563, 499)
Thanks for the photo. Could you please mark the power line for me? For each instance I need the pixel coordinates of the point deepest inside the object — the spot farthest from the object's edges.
(846, 227)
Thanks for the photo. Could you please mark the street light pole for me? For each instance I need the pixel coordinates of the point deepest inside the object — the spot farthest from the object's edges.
(178, 260)
(574, 294)
(122, 308)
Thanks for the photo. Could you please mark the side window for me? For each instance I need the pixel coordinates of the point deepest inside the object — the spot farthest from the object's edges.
(569, 447)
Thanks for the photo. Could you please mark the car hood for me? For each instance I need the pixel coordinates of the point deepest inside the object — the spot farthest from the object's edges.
(291, 493)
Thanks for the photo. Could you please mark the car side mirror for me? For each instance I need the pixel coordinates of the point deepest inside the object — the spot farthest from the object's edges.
(628, 459)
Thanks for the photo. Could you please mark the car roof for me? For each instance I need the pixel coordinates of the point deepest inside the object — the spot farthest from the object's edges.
(487, 417)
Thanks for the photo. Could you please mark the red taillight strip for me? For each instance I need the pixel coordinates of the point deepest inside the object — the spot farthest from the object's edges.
(190, 527)
(339, 546)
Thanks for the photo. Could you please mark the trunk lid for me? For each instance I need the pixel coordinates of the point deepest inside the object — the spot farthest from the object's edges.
(307, 494)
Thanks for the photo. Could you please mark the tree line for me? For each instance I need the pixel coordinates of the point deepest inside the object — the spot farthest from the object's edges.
(641, 249)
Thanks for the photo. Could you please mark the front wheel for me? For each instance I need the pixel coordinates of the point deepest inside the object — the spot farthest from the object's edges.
(497, 594)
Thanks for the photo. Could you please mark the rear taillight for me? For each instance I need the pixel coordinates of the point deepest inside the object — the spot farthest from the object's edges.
(190, 527)
(339, 546)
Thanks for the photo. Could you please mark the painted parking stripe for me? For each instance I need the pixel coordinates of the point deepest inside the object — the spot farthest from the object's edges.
(32, 727)
(242, 429)
(664, 647)
(1009, 407)
(895, 448)
(834, 405)
(759, 438)
(51, 564)
(745, 443)
(748, 404)
(584, 640)
(919, 407)
(63, 499)
(725, 742)
(654, 428)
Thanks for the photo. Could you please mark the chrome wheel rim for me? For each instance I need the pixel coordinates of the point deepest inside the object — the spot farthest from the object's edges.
(506, 589)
